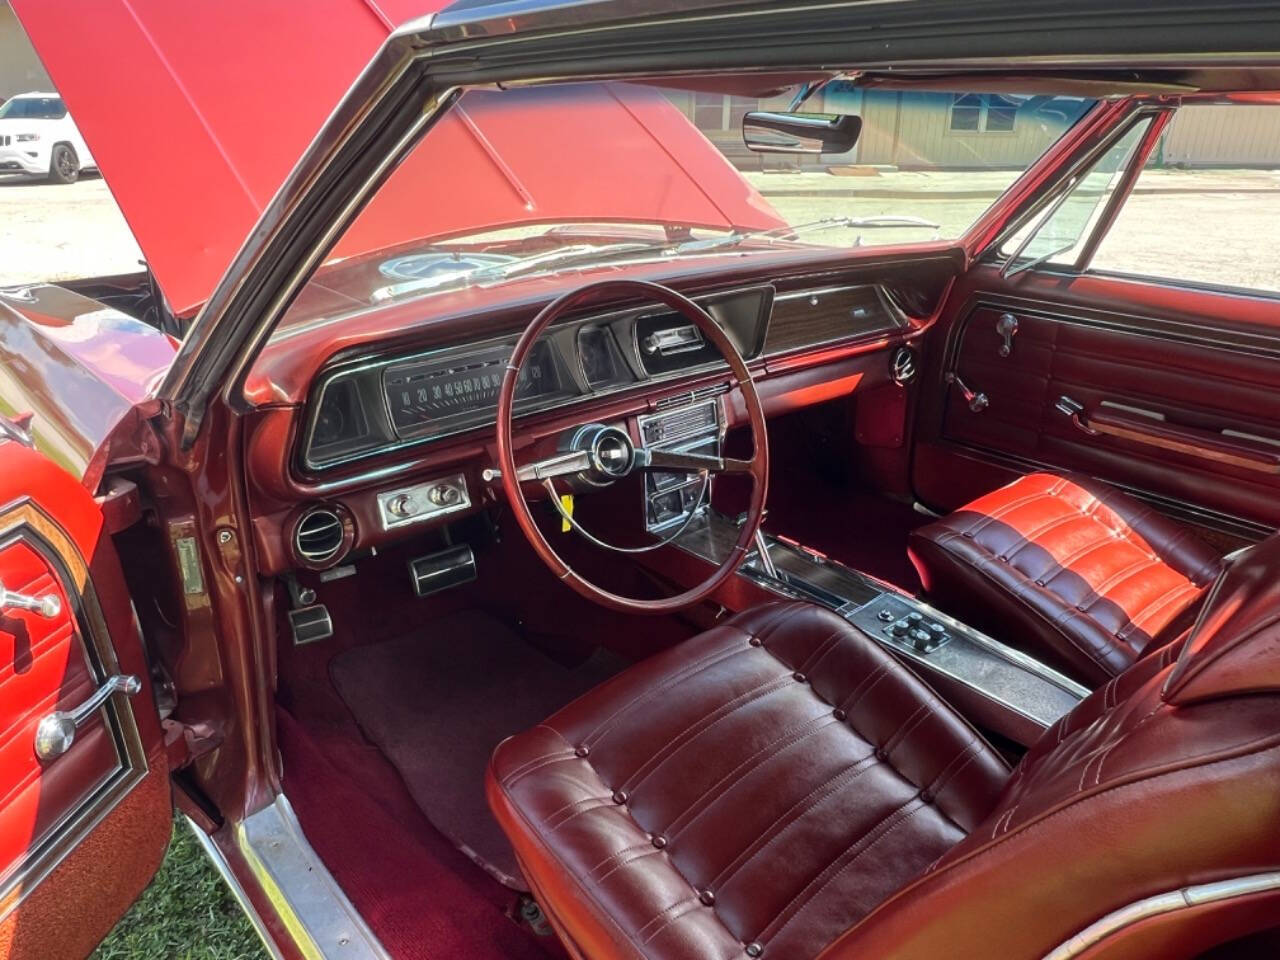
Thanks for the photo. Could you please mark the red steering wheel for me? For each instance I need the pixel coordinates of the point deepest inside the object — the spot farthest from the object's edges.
(611, 454)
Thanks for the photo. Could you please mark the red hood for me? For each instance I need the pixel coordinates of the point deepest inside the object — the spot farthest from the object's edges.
(196, 113)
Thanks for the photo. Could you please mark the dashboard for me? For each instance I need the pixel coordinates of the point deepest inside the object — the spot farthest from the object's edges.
(374, 405)
(386, 422)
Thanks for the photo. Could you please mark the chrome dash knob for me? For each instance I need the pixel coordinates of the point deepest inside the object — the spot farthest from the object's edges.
(402, 506)
(444, 495)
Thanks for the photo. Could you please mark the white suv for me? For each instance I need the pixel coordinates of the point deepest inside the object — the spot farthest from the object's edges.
(39, 138)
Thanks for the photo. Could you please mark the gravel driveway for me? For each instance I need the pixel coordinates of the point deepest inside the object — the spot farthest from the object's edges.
(56, 232)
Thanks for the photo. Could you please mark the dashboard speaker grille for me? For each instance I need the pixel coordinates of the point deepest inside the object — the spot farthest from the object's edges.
(692, 396)
(318, 536)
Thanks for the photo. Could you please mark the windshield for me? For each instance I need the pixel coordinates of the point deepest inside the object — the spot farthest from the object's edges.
(538, 181)
(34, 108)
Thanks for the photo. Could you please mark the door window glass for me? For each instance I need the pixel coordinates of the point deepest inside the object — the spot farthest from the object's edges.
(1206, 207)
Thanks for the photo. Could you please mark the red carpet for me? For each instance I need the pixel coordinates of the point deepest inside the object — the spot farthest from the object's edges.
(421, 897)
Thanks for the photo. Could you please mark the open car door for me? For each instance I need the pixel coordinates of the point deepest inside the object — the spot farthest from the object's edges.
(86, 805)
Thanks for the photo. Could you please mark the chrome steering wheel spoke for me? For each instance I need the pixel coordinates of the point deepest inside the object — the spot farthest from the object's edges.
(561, 465)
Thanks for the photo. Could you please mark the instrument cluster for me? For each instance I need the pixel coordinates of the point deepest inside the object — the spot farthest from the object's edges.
(369, 406)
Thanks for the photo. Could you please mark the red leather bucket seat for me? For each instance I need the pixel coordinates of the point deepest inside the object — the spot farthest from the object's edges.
(781, 787)
(1075, 572)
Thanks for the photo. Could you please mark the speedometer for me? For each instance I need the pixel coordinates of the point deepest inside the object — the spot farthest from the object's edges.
(427, 392)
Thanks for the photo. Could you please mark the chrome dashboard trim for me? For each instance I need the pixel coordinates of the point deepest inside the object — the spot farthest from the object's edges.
(364, 364)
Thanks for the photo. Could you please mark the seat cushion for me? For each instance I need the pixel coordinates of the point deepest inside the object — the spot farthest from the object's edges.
(754, 791)
(1070, 569)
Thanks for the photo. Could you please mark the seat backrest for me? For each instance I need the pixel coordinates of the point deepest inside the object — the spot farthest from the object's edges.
(1166, 777)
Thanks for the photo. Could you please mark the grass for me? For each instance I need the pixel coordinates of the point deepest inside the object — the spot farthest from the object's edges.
(187, 913)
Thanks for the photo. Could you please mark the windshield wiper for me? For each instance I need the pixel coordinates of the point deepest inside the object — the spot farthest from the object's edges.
(788, 232)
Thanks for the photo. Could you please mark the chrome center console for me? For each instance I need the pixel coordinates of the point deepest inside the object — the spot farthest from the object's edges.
(998, 687)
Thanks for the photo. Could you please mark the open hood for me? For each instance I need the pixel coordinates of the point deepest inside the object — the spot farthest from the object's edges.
(197, 113)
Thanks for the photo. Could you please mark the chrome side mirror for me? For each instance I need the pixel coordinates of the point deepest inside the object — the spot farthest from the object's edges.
(800, 132)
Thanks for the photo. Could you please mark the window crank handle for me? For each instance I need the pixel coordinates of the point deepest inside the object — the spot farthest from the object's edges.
(977, 401)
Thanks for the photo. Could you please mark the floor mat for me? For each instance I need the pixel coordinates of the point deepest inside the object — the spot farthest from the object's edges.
(438, 702)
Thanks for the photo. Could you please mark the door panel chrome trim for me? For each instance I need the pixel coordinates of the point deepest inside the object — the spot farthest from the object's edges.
(25, 521)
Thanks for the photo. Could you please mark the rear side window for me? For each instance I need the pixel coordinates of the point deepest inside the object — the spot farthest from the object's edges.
(34, 108)
(1205, 209)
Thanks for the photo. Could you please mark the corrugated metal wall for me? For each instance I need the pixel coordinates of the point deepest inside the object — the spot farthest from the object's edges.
(1224, 136)
(911, 130)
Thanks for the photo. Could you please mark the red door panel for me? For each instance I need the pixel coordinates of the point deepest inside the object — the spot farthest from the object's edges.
(1175, 393)
(84, 814)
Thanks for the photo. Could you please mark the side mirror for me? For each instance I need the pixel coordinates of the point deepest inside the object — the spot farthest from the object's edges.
(800, 132)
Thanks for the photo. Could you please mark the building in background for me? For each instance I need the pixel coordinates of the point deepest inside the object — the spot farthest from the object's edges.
(913, 130)
(20, 68)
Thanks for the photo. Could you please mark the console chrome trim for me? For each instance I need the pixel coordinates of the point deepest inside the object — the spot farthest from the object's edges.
(1170, 902)
(791, 587)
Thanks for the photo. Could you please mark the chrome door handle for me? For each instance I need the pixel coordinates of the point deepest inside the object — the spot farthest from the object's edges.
(977, 401)
(1073, 410)
(56, 732)
(48, 606)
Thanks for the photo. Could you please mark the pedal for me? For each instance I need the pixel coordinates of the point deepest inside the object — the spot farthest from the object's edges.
(447, 568)
(310, 624)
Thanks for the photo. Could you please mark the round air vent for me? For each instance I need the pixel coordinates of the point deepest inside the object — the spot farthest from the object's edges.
(320, 536)
(903, 366)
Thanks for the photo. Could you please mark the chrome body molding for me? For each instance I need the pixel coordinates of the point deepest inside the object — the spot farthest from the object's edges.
(1170, 902)
(310, 905)
(220, 864)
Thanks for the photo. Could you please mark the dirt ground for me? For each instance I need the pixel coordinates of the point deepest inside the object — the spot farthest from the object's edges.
(1214, 226)
(55, 232)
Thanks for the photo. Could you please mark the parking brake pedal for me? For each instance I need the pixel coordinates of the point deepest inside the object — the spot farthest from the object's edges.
(309, 621)
(310, 624)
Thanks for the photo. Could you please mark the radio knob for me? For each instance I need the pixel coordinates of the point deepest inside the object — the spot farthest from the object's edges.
(444, 495)
(402, 506)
